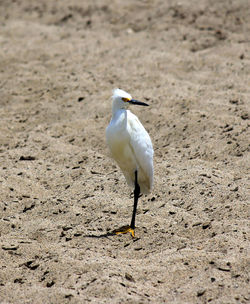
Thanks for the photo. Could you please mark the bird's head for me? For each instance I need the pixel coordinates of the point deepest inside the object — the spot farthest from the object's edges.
(122, 99)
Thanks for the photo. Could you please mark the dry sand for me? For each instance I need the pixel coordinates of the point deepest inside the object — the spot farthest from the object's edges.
(61, 193)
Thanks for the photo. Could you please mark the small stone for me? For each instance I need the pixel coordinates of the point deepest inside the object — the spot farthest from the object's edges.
(201, 292)
(129, 277)
(50, 284)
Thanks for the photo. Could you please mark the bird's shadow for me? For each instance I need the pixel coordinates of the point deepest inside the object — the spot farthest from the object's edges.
(96, 236)
(107, 234)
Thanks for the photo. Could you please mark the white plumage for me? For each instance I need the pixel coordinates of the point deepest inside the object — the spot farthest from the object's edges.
(131, 147)
(129, 142)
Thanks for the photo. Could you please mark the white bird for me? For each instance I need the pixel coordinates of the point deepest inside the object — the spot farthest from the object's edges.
(131, 147)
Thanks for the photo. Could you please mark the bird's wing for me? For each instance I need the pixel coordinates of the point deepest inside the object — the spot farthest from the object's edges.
(141, 144)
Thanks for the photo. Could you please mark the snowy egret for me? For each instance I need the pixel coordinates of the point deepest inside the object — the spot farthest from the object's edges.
(131, 147)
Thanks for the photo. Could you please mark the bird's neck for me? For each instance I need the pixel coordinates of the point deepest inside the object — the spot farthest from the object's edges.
(116, 108)
(120, 117)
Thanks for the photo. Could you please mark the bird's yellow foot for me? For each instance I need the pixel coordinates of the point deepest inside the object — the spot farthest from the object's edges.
(125, 229)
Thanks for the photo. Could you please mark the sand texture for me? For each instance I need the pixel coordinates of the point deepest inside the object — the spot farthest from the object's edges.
(60, 192)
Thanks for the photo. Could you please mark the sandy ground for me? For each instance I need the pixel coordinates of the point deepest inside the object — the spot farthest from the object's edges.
(61, 193)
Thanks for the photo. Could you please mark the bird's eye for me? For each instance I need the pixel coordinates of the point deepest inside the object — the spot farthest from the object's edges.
(125, 99)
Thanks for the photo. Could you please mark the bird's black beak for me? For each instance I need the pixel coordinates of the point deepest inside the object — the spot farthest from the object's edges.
(137, 102)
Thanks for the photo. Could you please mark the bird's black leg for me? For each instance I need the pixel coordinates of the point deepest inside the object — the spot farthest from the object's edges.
(136, 196)
(131, 228)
